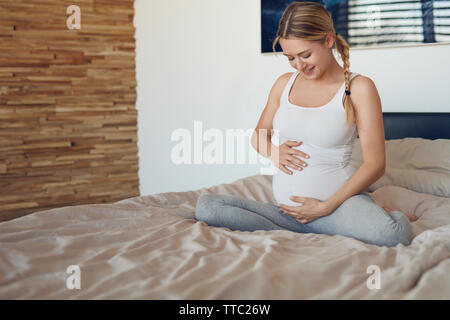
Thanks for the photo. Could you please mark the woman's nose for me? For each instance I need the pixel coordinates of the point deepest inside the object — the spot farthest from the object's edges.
(299, 65)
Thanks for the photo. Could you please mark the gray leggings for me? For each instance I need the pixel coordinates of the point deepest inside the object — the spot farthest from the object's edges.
(357, 217)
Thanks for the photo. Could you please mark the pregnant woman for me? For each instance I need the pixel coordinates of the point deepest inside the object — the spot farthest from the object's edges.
(316, 121)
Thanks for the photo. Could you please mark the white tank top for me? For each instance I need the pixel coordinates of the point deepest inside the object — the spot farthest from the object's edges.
(327, 139)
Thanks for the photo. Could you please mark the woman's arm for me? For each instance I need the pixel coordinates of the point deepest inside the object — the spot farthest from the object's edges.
(369, 122)
(261, 138)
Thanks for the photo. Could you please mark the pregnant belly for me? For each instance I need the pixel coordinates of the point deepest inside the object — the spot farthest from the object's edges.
(319, 182)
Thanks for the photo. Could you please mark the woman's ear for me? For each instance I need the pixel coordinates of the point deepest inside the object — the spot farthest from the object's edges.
(330, 41)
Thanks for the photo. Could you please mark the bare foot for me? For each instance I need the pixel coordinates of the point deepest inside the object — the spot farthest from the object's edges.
(411, 217)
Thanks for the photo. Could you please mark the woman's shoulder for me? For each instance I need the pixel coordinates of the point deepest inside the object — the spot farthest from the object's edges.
(281, 82)
(361, 82)
(285, 76)
(363, 92)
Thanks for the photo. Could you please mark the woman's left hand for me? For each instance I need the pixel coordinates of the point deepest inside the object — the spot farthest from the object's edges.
(310, 209)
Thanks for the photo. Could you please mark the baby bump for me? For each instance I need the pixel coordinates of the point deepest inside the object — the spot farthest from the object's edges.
(314, 182)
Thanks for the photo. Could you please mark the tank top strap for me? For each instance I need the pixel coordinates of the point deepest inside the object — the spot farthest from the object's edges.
(342, 91)
(288, 86)
(352, 75)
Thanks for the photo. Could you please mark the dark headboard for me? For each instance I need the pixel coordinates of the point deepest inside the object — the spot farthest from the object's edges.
(432, 125)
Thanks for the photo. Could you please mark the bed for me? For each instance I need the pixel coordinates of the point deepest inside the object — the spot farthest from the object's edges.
(150, 247)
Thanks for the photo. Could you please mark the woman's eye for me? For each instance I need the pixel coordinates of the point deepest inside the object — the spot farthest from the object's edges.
(303, 57)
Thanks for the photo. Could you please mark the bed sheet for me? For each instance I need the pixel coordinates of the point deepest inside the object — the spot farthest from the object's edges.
(150, 247)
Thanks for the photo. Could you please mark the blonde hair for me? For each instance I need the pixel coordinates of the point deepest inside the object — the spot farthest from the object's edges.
(312, 21)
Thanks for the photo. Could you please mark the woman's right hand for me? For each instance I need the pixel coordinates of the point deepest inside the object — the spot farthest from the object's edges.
(286, 156)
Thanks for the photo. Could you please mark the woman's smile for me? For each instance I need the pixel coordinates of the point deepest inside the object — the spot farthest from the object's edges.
(308, 71)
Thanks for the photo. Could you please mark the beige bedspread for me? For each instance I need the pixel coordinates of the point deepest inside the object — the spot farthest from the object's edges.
(150, 247)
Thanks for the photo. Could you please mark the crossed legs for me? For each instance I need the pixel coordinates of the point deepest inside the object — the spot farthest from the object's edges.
(358, 217)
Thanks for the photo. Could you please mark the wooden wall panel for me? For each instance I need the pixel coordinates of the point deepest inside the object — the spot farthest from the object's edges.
(68, 118)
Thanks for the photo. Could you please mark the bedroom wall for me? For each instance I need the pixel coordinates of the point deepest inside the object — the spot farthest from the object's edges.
(201, 60)
(68, 120)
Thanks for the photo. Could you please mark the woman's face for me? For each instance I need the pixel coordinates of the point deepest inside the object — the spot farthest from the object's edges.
(304, 55)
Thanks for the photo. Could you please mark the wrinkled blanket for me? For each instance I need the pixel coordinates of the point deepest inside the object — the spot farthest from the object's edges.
(150, 247)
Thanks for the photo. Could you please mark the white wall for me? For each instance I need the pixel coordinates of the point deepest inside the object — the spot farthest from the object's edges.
(201, 60)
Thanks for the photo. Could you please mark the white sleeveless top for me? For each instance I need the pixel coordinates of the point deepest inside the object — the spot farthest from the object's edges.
(327, 139)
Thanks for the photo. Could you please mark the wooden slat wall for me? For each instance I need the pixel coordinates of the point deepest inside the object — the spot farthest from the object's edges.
(68, 118)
